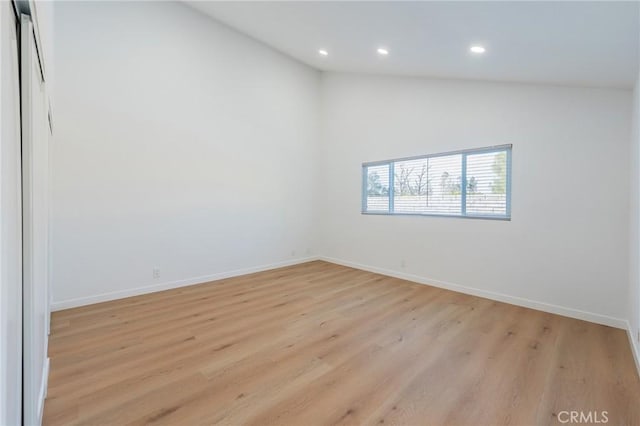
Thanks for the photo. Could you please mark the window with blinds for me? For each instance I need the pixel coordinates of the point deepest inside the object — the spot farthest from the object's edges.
(473, 183)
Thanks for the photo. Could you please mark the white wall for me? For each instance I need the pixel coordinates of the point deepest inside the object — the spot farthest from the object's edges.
(566, 244)
(180, 144)
(634, 226)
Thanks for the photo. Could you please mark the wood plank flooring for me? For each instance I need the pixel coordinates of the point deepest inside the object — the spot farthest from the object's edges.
(318, 344)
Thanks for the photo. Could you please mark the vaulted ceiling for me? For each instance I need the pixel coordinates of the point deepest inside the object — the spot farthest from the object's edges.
(574, 43)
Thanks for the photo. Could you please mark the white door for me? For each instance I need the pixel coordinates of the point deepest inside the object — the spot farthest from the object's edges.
(35, 226)
(10, 222)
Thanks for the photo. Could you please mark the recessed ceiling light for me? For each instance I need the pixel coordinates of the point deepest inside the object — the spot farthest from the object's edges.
(477, 49)
(323, 52)
(383, 51)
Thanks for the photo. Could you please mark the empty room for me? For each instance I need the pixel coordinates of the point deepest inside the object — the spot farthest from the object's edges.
(312, 213)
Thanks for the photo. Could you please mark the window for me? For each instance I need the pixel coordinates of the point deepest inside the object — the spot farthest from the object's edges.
(433, 184)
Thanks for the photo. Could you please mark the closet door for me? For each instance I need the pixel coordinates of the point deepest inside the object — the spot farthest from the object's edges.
(35, 225)
(10, 222)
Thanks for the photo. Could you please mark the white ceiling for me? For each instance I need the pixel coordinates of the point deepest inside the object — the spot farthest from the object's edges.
(574, 43)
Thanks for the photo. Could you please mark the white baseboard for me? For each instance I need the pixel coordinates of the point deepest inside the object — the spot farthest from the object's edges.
(635, 346)
(519, 301)
(105, 297)
(44, 387)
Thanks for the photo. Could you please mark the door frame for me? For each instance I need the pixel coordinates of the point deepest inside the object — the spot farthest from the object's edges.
(35, 225)
(11, 316)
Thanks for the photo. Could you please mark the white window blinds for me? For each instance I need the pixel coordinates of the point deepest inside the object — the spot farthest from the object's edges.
(471, 183)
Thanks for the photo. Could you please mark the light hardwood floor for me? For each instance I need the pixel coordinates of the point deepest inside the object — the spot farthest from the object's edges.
(317, 344)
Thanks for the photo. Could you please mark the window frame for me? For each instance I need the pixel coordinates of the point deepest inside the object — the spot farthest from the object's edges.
(463, 191)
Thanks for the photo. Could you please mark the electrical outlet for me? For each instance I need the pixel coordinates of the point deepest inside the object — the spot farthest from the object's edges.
(638, 336)
(293, 253)
(308, 251)
(156, 273)
(403, 264)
